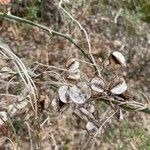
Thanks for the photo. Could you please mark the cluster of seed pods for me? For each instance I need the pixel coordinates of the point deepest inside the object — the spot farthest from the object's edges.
(81, 92)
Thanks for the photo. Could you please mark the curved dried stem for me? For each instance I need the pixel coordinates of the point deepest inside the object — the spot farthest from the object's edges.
(12, 143)
(48, 30)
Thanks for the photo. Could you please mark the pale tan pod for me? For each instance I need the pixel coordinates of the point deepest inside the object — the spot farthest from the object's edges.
(74, 75)
(97, 84)
(119, 88)
(85, 89)
(12, 110)
(6, 69)
(21, 104)
(55, 104)
(80, 93)
(92, 108)
(72, 64)
(63, 93)
(76, 95)
(3, 117)
(91, 127)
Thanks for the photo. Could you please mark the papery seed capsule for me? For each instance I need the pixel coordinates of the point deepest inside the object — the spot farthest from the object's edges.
(55, 104)
(91, 127)
(72, 64)
(119, 57)
(97, 84)
(63, 93)
(120, 87)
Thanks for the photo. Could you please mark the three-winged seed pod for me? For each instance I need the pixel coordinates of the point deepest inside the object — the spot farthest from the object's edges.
(81, 92)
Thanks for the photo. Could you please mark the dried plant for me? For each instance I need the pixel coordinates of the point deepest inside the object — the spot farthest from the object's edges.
(75, 89)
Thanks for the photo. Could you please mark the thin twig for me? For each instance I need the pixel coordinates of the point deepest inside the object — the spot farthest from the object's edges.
(86, 36)
(127, 105)
(30, 136)
(53, 67)
(100, 128)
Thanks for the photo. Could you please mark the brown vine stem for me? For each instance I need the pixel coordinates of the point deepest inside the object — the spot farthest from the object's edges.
(23, 20)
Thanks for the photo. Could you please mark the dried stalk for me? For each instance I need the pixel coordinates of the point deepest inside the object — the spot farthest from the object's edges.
(127, 105)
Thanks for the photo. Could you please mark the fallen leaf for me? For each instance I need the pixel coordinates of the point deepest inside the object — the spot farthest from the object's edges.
(11, 110)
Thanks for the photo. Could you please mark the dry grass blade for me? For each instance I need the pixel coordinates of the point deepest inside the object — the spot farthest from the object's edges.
(22, 71)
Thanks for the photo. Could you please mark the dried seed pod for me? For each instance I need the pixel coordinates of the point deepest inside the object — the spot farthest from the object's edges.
(72, 64)
(6, 69)
(80, 93)
(92, 108)
(5, 75)
(76, 95)
(106, 63)
(87, 113)
(120, 115)
(6, 72)
(119, 57)
(46, 102)
(97, 84)
(91, 127)
(66, 1)
(21, 104)
(63, 93)
(11, 110)
(3, 117)
(74, 75)
(120, 87)
(73, 69)
(55, 104)
(80, 119)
